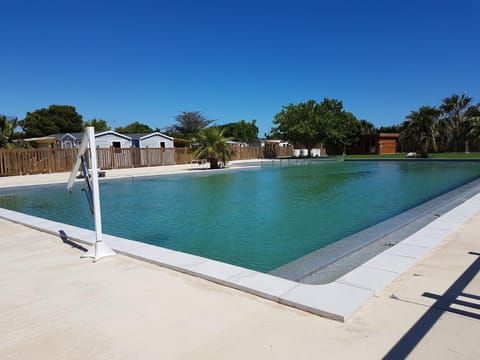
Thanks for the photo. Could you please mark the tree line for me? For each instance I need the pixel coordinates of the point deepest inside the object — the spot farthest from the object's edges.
(311, 123)
(58, 119)
(454, 125)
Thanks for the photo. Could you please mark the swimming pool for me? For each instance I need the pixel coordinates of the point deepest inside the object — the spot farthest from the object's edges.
(261, 218)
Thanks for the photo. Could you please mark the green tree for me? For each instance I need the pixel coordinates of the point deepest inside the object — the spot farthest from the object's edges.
(345, 130)
(340, 127)
(454, 118)
(420, 132)
(310, 123)
(52, 120)
(213, 146)
(99, 125)
(389, 129)
(241, 131)
(7, 131)
(134, 128)
(189, 123)
(299, 124)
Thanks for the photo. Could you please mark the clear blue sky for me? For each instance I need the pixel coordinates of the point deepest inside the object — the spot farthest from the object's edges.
(147, 61)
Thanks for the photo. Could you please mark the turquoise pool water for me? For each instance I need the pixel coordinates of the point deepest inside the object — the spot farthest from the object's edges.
(259, 218)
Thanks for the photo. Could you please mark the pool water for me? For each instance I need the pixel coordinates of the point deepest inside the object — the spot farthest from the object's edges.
(259, 218)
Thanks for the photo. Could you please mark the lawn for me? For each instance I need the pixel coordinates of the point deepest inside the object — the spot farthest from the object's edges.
(453, 156)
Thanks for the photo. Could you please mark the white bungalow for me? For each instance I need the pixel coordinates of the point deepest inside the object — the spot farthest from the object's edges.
(237, 144)
(107, 139)
(151, 140)
(68, 140)
(104, 139)
(111, 138)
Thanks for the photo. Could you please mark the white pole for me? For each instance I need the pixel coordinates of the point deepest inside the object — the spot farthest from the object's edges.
(100, 249)
(96, 194)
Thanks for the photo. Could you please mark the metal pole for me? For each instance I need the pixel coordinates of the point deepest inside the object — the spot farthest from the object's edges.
(100, 249)
(96, 194)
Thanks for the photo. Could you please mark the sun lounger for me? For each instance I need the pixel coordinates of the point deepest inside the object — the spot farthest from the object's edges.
(100, 172)
(199, 161)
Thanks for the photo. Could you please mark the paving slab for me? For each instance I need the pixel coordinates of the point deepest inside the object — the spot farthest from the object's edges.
(392, 263)
(334, 301)
(123, 245)
(427, 237)
(217, 271)
(147, 252)
(368, 278)
(408, 250)
(268, 286)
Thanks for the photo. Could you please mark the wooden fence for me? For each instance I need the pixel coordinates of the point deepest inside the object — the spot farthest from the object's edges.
(114, 158)
(35, 161)
(41, 161)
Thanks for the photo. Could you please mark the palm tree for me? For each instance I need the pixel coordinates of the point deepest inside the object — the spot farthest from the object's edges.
(454, 118)
(472, 126)
(7, 129)
(366, 127)
(420, 131)
(213, 147)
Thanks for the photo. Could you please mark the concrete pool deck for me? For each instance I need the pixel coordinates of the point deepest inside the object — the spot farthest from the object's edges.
(228, 323)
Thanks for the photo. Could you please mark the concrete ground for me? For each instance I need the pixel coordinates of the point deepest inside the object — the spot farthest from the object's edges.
(55, 305)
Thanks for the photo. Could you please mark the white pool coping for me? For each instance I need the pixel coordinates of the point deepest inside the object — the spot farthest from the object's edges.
(338, 300)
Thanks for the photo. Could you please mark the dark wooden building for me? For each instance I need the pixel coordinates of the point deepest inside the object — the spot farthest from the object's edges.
(378, 144)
